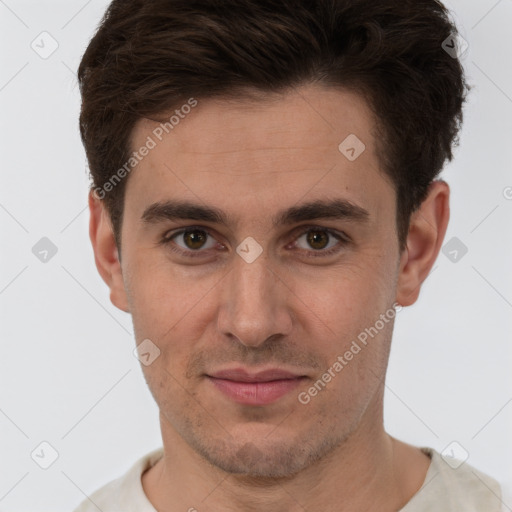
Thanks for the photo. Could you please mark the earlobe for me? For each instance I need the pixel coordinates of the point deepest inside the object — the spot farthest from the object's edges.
(427, 229)
(106, 253)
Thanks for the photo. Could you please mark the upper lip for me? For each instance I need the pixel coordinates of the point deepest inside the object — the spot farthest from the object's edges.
(243, 375)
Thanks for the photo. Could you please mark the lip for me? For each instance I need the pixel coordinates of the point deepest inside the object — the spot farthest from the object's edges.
(243, 375)
(255, 388)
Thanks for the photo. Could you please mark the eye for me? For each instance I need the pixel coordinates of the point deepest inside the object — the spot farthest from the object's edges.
(191, 240)
(315, 241)
(323, 241)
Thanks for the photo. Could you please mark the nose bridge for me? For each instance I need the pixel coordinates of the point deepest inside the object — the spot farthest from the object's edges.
(253, 303)
(252, 280)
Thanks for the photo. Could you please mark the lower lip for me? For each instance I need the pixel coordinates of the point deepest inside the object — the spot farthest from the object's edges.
(256, 393)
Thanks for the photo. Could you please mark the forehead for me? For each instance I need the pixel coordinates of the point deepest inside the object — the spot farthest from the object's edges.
(310, 143)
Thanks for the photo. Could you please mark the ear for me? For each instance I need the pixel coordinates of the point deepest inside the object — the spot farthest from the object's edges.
(427, 229)
(106, 254)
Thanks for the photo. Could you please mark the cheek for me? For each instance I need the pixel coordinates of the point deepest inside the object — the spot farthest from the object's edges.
(342, 311)
(173, 311)
(160, 298)
(348, 298)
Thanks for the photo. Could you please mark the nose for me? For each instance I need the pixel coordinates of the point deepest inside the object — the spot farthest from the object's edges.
(254, 303)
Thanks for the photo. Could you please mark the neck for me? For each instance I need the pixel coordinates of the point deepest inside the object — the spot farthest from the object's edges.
(369, 471)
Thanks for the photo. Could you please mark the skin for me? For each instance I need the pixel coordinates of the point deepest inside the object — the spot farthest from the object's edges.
(284, 309)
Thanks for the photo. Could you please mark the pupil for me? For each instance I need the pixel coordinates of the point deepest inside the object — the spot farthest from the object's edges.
(316, 236)
(196, 239)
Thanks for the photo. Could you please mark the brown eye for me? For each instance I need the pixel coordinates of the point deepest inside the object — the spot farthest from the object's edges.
(195, 239)
(192, 240)
(195, 242)
(318, 239)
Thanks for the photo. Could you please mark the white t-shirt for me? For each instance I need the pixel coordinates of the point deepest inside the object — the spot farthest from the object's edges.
(445, 489)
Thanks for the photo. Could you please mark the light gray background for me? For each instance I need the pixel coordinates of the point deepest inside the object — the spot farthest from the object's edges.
(68, 375)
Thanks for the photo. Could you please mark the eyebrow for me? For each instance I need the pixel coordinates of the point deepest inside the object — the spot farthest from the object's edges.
(336, 209)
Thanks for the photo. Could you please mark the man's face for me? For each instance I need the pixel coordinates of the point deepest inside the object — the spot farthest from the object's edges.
(219, 316)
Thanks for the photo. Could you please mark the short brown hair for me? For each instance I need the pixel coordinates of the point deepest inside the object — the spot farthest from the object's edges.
(149, 56)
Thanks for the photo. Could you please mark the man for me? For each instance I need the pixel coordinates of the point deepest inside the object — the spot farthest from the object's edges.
(264, 201)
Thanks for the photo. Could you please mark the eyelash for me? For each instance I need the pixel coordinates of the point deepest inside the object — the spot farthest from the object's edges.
(168, 238)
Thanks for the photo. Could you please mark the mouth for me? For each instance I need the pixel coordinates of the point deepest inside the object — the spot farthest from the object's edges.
(255, 388)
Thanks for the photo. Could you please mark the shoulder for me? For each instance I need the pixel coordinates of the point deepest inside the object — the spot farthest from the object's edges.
(124, 494)
(455, 485)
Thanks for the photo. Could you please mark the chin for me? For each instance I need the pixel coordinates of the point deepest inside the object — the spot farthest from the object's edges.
(264, 459)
